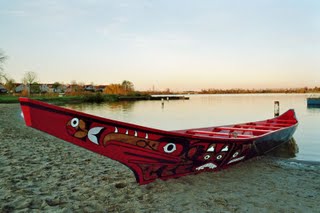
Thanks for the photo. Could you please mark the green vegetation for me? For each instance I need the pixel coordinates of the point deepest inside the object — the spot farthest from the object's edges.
(8, 99)
(85, 98)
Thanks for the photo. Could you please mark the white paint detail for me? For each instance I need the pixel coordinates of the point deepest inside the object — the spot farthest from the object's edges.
(208, 165)
(74, 122)
(211, 149)
(167, 148)
(235, 154)
(22, 115)
(225, 149)
(135, 133)
(116, 130)
(207, 157)
(92, 134)
(236, 159)
(147, 136)
(127, 132)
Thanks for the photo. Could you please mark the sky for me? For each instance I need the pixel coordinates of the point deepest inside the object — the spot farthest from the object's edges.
(160, 44)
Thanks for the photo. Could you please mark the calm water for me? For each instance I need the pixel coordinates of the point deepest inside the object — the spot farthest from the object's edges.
(212, 110)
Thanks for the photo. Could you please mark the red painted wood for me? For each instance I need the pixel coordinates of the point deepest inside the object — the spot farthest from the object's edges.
(152, 153)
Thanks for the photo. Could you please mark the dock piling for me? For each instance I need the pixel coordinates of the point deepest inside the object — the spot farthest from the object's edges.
(276, 108)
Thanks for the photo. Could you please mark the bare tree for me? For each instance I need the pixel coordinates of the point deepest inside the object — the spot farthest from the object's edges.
(3, 58)
(127, 86)
(10, 85)
(30, 78)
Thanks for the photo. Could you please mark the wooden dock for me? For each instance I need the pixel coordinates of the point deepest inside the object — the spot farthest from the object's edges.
(153, 97)
(169, 97)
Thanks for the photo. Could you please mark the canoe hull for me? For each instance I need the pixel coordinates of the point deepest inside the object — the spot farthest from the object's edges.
(149, 153)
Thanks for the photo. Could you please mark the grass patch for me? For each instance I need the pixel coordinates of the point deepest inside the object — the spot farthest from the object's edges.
(86, 98)
(8, 99)
(76, 99)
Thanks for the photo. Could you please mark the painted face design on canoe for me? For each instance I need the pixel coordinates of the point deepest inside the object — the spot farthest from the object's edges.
(208, 156)
(142, 140)
(240, 153)
(77, 128)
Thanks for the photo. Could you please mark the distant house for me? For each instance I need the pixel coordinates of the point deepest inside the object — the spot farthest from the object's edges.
(89, 88)
(100, 88)
(44, 88)
(3, 89)
(54, 88)
(20, 87)
(73, 88)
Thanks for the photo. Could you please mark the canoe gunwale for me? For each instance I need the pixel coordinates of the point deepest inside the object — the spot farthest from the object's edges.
(174, 133)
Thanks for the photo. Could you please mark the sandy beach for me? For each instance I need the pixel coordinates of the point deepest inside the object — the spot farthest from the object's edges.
(40, 173)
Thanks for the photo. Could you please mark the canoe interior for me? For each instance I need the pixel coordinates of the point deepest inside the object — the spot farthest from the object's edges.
(246, 130)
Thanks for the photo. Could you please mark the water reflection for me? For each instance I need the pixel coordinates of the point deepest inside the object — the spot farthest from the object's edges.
(286, 150)
(121, 106)
(316, 107)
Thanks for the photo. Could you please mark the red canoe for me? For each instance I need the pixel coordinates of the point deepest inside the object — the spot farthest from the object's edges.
(152, 153)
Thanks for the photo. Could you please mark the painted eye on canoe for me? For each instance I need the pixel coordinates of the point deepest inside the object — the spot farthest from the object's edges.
(75, 122)
(207, 157)
(170, 147)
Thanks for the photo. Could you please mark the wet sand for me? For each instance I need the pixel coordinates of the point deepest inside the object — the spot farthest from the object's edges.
(40, 173)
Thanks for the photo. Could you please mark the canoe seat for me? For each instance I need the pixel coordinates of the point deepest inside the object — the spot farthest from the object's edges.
(265, 127)
(218, 134)
(242, 129)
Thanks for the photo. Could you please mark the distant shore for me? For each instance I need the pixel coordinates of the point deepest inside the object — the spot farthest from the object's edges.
(40, 173)
(100, 97)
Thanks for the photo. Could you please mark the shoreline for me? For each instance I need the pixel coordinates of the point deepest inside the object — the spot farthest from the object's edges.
(99, 98)
(41, 173)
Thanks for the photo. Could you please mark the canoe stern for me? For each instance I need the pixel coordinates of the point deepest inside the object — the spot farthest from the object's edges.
(26, 112)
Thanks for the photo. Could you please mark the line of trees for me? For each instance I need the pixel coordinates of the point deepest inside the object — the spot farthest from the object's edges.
(125, 88)
(3, 58)
(250, 91)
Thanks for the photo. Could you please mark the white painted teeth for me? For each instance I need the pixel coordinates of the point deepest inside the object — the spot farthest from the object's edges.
(127, 132)
(211, 149)
(225, 149)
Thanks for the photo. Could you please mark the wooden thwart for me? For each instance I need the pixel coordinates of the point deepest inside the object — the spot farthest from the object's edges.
(242, 129)
(258, 127)
(209, 133)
